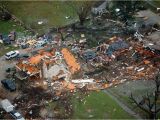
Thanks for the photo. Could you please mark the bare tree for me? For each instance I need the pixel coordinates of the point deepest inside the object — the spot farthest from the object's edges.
(61, 33)
(148, 102)
(82, 9)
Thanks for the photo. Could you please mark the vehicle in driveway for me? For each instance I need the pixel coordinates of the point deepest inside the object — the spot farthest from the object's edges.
(23, 56)
(9, 84)
(11, 54)
(9, 108)
(24, 46)
(6, 40)
(16, 115)
(8, 70)
(6, 105)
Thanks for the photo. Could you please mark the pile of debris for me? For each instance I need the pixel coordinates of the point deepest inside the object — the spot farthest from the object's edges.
(129, 60)
(55, 68)
(9, 38)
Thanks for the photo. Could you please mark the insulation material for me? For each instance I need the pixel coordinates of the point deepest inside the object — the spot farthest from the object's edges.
(70, 60)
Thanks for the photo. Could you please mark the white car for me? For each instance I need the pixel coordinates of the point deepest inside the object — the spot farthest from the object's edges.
(16, 115)
(11, 54)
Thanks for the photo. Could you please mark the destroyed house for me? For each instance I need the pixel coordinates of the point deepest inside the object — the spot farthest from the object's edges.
(48, 65)
(32, 65)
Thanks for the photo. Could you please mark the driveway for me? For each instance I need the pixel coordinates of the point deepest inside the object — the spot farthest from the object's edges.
(4, 64)
(152, 17)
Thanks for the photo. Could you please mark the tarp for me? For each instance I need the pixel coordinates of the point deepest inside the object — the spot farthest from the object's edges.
(118, 45)
(89, 54)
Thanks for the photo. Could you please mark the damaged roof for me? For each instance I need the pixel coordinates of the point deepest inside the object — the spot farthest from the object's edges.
(70, 60)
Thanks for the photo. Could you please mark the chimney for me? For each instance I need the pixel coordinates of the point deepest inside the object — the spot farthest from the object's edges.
(43, 69)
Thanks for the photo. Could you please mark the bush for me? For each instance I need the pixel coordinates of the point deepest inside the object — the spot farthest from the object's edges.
(157, 26)
(5, 16)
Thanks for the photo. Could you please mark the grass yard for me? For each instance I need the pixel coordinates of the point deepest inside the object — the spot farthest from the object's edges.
(52, 13)
(5, 49)
(98, 105)
(8, 26)
(156, 2)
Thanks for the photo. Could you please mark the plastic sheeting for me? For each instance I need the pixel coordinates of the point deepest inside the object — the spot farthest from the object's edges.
(118, 45)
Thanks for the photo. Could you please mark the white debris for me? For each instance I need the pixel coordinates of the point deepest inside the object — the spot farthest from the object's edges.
(40, 22)
(30, 112)
(1, 41)
(82, 40)
(83, 81)
(117, 9)
(67, 17)
(82, 35)
(113, 56)
(138, 36)
(140, 69)
(150, 44)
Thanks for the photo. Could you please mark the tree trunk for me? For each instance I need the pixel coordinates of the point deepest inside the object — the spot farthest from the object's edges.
(62, 38)
(61, 34)
(81, 19)
(152, 116)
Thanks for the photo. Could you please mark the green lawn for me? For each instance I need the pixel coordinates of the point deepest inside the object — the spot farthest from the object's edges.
(5, 28)
(5, 49)
(52, 13)
(98, 105)
(157, 3)
(8, 26)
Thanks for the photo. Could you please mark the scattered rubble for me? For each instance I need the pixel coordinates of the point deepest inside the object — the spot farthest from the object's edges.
(56, 69)
(129, 60)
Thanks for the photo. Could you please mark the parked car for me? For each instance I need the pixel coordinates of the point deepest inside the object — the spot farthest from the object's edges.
(7, 105)
(23, 56)
(16, 115)
(24, 46)
(11, 54)
(8, 70)
(6, 41)
(9, 84)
